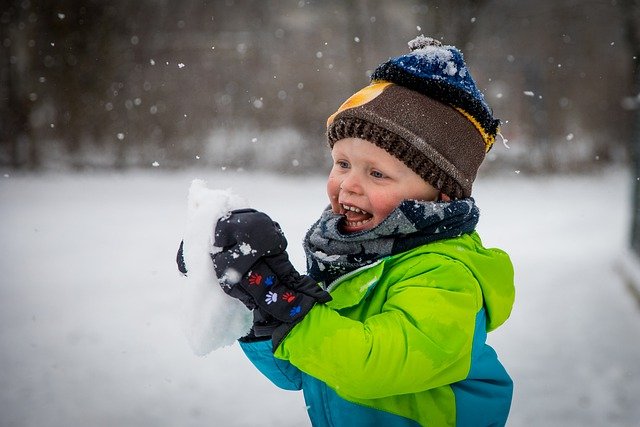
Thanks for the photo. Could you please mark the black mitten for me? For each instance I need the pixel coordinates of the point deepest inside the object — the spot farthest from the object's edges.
(238, 232)
(286, 298)
(283, 268)
(245, 236)
(254, 268)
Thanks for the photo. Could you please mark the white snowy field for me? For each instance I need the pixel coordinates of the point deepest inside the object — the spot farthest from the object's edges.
(89, 301)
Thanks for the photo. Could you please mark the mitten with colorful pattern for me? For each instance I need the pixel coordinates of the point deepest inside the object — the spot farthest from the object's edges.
(254, 268)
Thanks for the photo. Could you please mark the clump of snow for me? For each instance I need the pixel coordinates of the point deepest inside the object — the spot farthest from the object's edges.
(323, 256)
(246, 249)
(435, 52)
(231, 276)
(211, 318)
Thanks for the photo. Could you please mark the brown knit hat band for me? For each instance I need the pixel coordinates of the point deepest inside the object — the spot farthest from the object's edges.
(397, 147)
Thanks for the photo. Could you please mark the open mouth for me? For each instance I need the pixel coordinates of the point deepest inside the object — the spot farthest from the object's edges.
(355, 217)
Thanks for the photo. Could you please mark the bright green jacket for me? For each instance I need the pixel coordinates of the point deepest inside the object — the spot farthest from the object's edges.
(403, 342)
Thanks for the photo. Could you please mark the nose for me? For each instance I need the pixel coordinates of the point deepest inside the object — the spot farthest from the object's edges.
(351, 184)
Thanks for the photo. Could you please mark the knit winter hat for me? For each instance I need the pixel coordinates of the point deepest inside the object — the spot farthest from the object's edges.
(425, 109)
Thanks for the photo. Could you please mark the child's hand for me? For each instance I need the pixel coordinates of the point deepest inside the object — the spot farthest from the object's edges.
(254, 268)
(244, 236)
(238, 232)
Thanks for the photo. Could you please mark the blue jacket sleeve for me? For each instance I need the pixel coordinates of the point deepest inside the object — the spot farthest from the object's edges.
(282, 373)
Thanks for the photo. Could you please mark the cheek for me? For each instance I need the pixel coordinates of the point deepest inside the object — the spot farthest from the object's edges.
(385, 204)
(333, 189)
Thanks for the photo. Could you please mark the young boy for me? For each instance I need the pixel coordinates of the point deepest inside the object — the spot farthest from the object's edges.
(389, 326)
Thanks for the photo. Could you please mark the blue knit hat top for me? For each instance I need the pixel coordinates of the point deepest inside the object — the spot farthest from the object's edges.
(439, 72)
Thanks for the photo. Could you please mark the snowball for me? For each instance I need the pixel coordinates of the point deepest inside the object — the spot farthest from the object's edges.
(211, 318)
(246, 249)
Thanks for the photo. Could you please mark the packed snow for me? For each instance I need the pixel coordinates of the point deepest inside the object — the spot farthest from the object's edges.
(211, 318)
(90, 316)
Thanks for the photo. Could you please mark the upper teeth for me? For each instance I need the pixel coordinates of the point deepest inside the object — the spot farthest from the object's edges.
(353, 209)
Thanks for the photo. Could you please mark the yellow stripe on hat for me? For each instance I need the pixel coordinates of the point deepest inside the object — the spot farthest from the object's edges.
(487, 138)
(361, 97)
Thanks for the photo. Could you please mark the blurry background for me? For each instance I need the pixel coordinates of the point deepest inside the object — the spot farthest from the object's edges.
(241, 83)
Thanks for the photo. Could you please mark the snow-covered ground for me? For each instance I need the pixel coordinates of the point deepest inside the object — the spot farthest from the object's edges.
(89, 314)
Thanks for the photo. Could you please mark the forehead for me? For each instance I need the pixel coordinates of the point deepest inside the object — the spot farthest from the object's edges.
(362, 149)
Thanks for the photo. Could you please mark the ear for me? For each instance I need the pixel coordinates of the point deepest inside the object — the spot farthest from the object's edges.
(443, 197)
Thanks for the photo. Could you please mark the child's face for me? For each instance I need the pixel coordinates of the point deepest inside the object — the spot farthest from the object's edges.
(366, 184)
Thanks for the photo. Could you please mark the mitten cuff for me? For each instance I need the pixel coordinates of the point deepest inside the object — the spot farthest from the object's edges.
(279, 333)
(264, 324)
(251, 337)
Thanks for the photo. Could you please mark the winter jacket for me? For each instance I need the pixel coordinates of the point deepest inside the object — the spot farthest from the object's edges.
(402, 343)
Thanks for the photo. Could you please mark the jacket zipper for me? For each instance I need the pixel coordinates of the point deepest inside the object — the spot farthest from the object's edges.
(345, 276)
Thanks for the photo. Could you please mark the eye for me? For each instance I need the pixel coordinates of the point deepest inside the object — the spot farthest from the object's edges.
(342, 164)
(377, 174)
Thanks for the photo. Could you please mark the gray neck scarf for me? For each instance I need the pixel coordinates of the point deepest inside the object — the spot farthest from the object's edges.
(331, 254)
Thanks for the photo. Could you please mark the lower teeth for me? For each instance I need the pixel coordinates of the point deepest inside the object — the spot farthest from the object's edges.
(357, 223)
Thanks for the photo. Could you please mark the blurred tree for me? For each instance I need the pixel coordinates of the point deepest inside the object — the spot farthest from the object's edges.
(16, 85)
(557, 72)
(76, 58)
(128, 83)
(631, 13)
(60, 68)
(454, 21)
